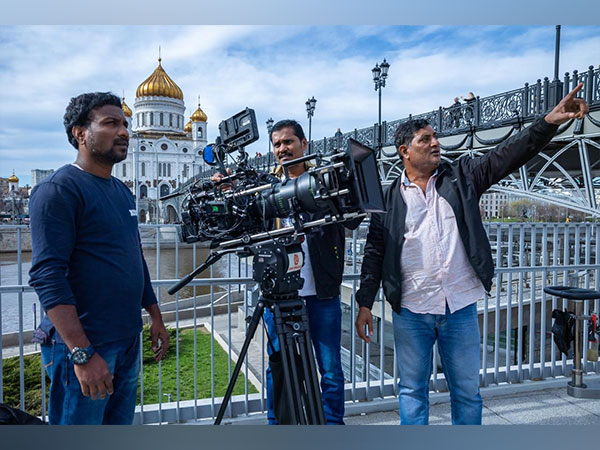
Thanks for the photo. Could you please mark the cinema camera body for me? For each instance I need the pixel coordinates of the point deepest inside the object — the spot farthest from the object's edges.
(241, 208)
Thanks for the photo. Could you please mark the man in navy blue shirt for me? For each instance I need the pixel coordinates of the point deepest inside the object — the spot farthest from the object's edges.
(89, 273)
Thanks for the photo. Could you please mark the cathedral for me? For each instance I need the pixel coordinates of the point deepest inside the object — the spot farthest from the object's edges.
(164, 149)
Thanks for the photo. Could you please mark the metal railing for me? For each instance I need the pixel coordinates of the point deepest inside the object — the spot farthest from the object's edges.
(522, 104)
(515, 318)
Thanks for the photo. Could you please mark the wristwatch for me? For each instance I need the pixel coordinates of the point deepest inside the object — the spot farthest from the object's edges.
(81, 356)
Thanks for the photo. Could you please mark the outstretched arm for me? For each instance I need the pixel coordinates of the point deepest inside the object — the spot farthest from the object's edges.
(511, 154)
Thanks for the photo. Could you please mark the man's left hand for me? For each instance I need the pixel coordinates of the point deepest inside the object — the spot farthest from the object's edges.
(569, 108)
(160, 339)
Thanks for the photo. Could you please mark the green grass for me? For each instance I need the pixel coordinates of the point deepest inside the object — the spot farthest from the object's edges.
(33, 383)
(186, 370)
(32, 371)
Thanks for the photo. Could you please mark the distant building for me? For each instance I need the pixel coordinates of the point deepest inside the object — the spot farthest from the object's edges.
(164, 150)
(13, 183)
(4, 186)
(492, 204)
(14, 200)
(38, 175)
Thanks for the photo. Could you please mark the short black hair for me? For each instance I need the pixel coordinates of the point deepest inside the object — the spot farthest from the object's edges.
(79, 108)
(288, 123)
(406, 131)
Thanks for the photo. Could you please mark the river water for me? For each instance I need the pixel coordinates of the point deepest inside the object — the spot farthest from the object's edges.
(9, 275)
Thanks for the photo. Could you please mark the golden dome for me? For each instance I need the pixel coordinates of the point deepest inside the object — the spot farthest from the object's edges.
(159, 84)
(188, 127)
(13, 178)
(126, 109)
(199, 115)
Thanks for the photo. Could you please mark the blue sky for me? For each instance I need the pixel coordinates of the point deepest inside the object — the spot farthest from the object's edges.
(272, 69)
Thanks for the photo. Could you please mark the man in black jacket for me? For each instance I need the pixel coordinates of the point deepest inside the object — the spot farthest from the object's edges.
(322, 273)
(432, 255)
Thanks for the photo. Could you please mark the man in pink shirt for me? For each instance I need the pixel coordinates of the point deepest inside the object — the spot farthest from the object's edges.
(431, 253)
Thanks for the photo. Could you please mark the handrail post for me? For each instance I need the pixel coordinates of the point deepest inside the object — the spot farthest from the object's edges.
(546, 101)
(589, 85)
(538, 97)
(525, 103)
(566, 83)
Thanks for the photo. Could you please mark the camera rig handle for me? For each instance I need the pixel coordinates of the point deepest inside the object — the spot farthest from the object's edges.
(287, 231)
(212, 258)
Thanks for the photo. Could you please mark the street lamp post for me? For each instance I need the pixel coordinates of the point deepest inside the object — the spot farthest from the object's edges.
(269, 129)
(310, 111)
(380, 73)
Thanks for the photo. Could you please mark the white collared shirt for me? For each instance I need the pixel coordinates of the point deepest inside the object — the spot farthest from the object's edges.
(435, 267)
(309, 288)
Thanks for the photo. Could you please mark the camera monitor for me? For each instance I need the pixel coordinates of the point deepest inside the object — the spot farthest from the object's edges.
(366, 181)
(239, 130)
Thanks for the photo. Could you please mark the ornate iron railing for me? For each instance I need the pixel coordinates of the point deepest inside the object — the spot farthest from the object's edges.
(485, 112)
(481, 113)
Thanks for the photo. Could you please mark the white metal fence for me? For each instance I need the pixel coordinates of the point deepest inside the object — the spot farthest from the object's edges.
(515, 319)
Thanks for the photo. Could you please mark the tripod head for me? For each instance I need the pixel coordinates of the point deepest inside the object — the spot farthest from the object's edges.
(276, 266)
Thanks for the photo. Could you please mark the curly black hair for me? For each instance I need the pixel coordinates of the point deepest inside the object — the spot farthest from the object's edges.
(288, 123)
(406, 131)
(79, 108)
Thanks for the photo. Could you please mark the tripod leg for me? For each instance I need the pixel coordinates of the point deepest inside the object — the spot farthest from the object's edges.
(314, 399)
(294, 336)
(309, 404)
(315, 388)
(295, 382)
(290, 379)
(258, 312)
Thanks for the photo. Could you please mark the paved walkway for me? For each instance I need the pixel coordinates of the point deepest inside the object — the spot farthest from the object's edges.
(546, 407)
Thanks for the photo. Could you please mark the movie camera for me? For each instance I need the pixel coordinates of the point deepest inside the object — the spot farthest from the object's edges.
(240, 208)
(237, 213)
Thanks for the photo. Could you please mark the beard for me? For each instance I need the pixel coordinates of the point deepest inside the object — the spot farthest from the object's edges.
(110, 156)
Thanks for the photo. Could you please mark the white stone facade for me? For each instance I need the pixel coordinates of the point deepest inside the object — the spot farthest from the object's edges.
(492, 204)
(159, 114)
(163, 152)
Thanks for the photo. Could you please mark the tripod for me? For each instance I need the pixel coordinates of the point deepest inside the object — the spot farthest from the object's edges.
(300, 383)
(276, 268)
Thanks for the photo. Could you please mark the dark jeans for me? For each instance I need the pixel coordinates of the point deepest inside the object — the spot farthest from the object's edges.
(325, 321)
(68, 406)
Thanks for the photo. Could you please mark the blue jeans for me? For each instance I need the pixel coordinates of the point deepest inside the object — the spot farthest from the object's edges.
(459, 346)
(68, 406)
(325, 322)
